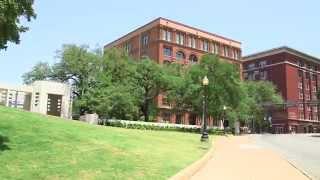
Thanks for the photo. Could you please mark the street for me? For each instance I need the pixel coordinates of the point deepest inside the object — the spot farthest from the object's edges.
(301, 150)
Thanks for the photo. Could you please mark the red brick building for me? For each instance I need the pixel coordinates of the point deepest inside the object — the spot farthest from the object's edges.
(167, 41)
(297, 77)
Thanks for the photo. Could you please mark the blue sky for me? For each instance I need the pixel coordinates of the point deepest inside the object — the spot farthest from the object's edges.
(259, 25)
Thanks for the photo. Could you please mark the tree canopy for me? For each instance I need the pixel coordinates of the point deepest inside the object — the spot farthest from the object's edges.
(11, 12)
(114, 85)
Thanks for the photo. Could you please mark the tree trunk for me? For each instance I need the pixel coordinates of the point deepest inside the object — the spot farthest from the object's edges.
(146, 110)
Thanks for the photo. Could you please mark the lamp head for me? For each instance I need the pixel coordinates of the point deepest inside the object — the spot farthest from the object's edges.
(205, 81)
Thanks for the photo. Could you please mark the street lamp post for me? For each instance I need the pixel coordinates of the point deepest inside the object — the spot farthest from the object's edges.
(224, 118)
(205, 83)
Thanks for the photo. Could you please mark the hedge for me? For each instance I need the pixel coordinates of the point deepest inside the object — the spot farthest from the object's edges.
(160, 126)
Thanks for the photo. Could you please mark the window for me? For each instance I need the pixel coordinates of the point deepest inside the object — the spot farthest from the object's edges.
(166, 35)
(262, 64)
(167, 51)
(193, 59)
(300, 85)
(309, 66)
(179, 118)
(37, 98)
(192, 42)
(307, 76)
(300, 95)
(308, 108)
(301, 115)
(205, 45)
(165, 100)
(166, 116)
(314, 77)
(301, 107)
(301, 63)
(250, 76)
(307, 86)
(251, 66)
(314, 96)
(315, 116)
(236, 54)
(179, 38)
(245, 75)
(263, 75)
(315, 109)
(145, 40)
(314, 89)
(127, 47)
(225, 51)
(215, 48)
(180, 55)
(307, 96)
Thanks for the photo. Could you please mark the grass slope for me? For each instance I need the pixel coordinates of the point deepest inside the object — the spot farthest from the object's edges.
(34, 146)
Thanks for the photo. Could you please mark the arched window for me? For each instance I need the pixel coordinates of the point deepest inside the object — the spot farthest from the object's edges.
(180, 55)
(193, 59)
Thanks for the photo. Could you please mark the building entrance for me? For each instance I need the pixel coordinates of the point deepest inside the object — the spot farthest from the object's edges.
(54, 105)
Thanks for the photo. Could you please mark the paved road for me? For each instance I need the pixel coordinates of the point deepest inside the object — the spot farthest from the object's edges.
(240, 158)
(302, 150)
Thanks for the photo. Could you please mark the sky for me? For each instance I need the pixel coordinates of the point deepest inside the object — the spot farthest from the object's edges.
(258, 25)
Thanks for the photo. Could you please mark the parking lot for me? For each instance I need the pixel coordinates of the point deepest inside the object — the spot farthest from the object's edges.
(301, 150)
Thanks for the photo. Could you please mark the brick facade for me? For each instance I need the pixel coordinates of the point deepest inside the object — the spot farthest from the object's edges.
(296, 76)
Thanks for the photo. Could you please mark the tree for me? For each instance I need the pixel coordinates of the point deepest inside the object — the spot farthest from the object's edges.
(114, 93)
(41, 71)
(149, 81)
(10, 13)
(78, 66)
(259, 95)
(264, 96)
(223, 88)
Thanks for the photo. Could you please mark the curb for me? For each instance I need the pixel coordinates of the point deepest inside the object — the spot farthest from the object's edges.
(190, 170)
(300, 170)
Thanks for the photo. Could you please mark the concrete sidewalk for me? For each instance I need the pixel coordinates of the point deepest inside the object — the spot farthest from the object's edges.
(238, 158)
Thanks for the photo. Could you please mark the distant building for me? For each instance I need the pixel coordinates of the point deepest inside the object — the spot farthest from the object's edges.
(297, 77)
(45, 97)
(167, 41)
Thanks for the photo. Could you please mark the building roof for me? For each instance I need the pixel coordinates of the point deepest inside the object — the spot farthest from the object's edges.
(174, 25)
(279, 50)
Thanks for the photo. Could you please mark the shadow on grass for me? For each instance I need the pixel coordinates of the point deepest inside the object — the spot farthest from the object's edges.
(3, 143)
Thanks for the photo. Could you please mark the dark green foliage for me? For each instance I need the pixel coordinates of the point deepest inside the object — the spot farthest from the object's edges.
(11, 12)
(149, 80)
(116, 86)
(223, 88)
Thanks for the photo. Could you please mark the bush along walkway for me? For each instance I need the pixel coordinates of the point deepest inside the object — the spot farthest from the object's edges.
(160, 126)
(237, 157)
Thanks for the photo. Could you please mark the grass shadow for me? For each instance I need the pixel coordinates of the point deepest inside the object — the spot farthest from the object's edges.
(3, 143)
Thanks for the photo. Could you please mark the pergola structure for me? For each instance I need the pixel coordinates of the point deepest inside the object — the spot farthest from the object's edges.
(45, 97)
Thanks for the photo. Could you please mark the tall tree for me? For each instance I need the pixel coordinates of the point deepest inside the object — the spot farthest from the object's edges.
(114, 93)
(77, 65)
(223, 88)
(10, 16)
(41, 71)
(149, 80)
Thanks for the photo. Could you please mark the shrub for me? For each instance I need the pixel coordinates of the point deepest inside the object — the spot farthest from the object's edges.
(160, 126)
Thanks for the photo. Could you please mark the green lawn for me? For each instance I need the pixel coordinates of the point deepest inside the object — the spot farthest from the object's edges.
(33, 146)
